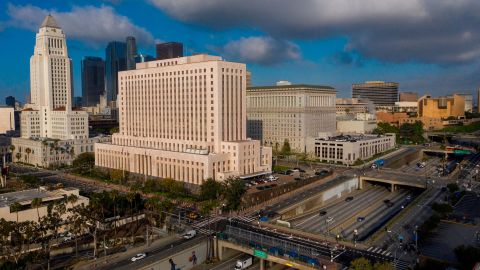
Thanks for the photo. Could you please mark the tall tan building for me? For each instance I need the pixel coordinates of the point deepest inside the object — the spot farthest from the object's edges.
(296, 113)
(441, 107)
(184, 118)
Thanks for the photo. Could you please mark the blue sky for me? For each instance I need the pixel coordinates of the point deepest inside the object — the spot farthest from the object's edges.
(334, 43)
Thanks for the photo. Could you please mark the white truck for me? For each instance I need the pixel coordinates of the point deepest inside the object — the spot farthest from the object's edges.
(243, 263)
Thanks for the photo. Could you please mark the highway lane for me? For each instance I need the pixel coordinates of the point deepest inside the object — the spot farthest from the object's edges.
(154, 255)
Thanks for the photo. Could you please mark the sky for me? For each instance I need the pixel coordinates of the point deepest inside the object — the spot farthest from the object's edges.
(428, 46)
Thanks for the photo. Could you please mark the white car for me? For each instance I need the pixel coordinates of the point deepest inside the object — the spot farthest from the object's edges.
(329, 219)
(190, 234)
(139, 256)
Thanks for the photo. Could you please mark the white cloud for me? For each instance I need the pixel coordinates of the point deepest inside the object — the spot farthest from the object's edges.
(432, 31)
(261, 50)
(92, 25)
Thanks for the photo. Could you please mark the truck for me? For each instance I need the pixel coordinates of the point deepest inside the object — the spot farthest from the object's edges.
(378, 163)
(243, 263)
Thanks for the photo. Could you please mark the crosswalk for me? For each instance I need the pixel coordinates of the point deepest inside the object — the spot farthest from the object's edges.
(398, 263)
(247, 219)
(203, 225)
(378, 250)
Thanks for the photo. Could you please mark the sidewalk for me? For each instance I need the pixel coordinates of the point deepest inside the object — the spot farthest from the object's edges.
(100, 262)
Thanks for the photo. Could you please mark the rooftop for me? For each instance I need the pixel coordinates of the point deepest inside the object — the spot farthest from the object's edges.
(25, 197)
(352, 138)
(49, 21)
(296, 86)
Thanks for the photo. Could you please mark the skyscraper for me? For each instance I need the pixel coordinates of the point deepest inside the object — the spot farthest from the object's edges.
(169, 50)
(131, 52)
(10, 101)
(93, 80)
(186, 131)
(379, 92)
(49, 117)
(115, 61)
(141, 58)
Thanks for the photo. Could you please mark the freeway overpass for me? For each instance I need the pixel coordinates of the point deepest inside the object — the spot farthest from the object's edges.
(393, 178)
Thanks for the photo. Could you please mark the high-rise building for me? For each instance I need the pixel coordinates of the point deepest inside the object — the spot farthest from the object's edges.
(7, 119)
(10, 101)
(296, 113)
(141, 58)
(468, 102)
(93, 80)
(131, 52)
(169, 50)
(184, 118)
(50, 118)
(115, 61)
(379, 92)
(408, 97)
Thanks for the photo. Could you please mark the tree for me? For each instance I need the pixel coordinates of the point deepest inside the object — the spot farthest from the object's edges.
(234, 189)
(361, 264)
(114, 195)
(84, 161)
(36, 203)
(286, 150)
(383, 266)
(210, 190)
(453, 187)
(383, 128)
(18, 156)
(412, 132)
(116, 176)
(28, 151)
(15, 207)
(72, 199)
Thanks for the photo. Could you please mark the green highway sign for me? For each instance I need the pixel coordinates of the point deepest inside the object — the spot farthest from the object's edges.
(259, 254)
(462, 152)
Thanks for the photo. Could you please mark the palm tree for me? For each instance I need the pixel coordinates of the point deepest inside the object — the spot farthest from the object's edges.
(15, 207)
(72, 199)
(113, 196)
(37, 202)
(18, 156)
(28, 151)
(130, 198)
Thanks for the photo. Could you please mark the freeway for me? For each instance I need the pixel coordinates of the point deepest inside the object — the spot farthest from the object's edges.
(154, 255)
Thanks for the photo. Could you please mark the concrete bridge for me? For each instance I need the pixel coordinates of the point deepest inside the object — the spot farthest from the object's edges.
(393, 178)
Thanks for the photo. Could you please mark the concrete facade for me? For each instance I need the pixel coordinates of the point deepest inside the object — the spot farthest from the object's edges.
(348, 149)
(356, 126)
(184, 118)
(49, 117)
(295, 113)
(7, 119)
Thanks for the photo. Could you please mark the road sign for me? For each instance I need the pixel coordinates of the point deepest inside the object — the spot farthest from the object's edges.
(259, 254)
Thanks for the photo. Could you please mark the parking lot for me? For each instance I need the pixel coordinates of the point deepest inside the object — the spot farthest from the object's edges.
(360, 212)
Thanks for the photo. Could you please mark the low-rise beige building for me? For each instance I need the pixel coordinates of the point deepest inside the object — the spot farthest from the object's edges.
(184, 118)
(348, 149)
(25, 198)
(356, 126)
(296, 113)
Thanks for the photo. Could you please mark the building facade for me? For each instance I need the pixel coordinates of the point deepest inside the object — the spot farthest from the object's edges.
(93, 80)
(408, 97)
(50, 115)
(441, 107)
(468, 102)
(169, 50)
(379, 92)
(115, 61)
(356, 126)
(131, 52)
(294, 113)
(349, 149)
(7, 119)
(348, 108)
(184, 118)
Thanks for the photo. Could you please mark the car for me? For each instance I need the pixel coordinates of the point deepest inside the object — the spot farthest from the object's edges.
(329, 219)
(297, 178)
(248, 185)
(268, 187)
(139, 256)
(253, 183)
(360, 219)
(409, 198)
(190, 234)
(322, 213)
(388, 203)
(349, 199)
(261, 188)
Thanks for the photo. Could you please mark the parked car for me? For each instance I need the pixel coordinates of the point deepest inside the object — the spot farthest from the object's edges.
(139, 256)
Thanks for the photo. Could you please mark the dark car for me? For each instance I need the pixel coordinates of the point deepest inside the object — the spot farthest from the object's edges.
(297, 178)
(261, 188)
(360, 219)
(322, 213)
(349, 199)
(388, 203)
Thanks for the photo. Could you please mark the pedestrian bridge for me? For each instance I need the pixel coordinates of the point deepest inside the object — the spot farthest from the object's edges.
(393, 178)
